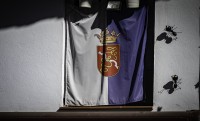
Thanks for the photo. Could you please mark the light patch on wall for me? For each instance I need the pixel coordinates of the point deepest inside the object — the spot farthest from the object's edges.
(31, 66)
(178, 56)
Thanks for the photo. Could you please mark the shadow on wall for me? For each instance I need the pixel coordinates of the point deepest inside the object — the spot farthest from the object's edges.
(24, 12)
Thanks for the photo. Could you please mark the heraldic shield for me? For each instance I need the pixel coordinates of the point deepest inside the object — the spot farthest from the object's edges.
(108, 59)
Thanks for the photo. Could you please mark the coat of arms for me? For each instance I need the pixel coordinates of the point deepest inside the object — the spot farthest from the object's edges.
(108, 54)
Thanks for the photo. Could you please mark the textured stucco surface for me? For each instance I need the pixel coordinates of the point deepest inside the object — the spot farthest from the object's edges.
(180, 57)
(31, 67)
(31, 58)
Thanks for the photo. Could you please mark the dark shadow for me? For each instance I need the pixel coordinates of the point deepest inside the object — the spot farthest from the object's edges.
(159, 109)
(25, 12)
(197, 85)
(172, 86)
(168, 35)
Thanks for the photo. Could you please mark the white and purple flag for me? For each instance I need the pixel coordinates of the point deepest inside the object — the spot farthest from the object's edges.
(105, 67)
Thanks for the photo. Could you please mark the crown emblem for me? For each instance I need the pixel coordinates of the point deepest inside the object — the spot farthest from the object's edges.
(111, 37)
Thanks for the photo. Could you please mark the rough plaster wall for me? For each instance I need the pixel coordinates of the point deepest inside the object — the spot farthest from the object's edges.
(180, 57)
(31, 61)
(31, 58)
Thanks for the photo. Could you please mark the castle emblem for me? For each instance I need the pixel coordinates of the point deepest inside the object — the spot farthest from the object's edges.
(108, 54)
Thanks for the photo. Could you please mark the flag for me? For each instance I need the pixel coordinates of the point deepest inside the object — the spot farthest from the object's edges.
(104, 66)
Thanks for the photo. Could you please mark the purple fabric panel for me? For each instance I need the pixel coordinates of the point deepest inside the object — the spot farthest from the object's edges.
(127, 85)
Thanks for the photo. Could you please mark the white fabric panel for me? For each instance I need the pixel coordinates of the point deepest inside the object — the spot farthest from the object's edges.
(88, 84)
